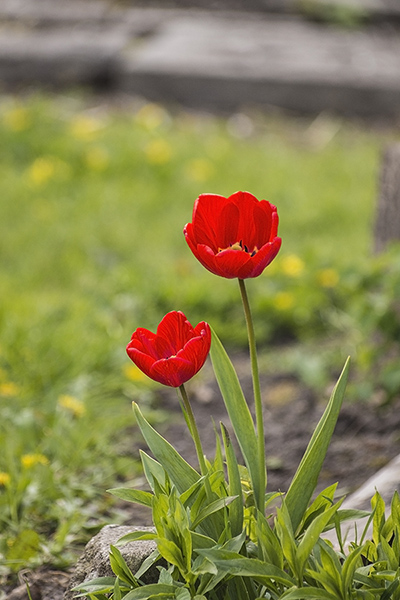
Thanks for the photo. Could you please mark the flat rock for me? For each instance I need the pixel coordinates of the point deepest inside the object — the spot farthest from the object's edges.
(215, 62)
(206, 59)
(386, 481)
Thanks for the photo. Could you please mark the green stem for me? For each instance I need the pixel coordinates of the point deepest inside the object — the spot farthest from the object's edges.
(193, 430)
(260, 501)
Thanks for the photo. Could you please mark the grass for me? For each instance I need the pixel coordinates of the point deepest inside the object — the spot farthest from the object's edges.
(94, 200)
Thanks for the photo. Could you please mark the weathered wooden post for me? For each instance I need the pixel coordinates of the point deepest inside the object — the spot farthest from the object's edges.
(387, 222)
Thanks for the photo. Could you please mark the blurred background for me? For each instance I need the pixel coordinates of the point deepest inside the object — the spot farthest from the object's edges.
(114, 117)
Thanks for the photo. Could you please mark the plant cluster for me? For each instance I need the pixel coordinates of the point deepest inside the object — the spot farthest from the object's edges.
(219, 534)
(78, 180)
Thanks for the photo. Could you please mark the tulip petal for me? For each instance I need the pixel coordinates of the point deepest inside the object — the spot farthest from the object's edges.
(143, 361)
(172, 371)
(206, 214)
(172, 333)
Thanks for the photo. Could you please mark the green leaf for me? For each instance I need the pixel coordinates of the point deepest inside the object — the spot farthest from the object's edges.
(179, 471)
(237, 409)
(117, 591)
(154, 472)
(236, 564)
(147, 563)
(312, 534)
(268, 541)
(284, 531)
(134, 536)
(137, 496)
(349, 567)
(308, 593)
(212, 508)
(153, 590)
(378, 516)
(306, 476)
(172, 553)
(235, 484)
(120, 568)
(98, 585)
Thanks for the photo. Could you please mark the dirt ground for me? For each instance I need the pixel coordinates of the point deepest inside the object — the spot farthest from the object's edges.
(365, 439)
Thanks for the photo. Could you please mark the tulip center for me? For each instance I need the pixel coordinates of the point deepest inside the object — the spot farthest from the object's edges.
(241, 248)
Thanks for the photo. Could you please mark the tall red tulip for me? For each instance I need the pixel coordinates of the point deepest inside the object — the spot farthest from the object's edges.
(233, 237)
(175, 353)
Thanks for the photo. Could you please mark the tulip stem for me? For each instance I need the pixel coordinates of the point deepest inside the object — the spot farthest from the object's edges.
(260, 500)
(193, 430)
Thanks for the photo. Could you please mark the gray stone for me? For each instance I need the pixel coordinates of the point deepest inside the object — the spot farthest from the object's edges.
(58, 57)
(386, 481)
(95, 562)
(217, 62)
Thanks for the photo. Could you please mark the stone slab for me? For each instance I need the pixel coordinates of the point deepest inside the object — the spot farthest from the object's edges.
(61, 57)
(224, 63)
(386, 481)
(218, 60)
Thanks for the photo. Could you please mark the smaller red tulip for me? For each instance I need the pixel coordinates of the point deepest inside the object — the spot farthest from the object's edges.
(233, 237)
(175, 353)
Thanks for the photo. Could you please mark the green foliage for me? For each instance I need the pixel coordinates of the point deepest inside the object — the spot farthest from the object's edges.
(92, 200)
(282, 557)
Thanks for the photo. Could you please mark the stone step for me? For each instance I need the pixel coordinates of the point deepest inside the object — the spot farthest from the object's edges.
(216, 61)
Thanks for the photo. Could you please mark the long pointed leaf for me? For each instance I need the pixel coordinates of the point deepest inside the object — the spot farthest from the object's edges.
(237, 409)
(179, 471)
(235, 485)
(130, 495)
(305, 479)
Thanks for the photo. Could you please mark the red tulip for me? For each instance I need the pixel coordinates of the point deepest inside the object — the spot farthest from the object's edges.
(235, 236)
(175, 353)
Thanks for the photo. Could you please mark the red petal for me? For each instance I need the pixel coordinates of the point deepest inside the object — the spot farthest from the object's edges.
(172, 371)
(172, 333)
(206, 216)
(143, 361)
(228, 226)
(145, 341)
(264, 257)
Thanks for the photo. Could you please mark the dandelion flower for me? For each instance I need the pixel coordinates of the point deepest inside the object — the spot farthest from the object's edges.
(158, 152)
(4, 479)
(30, 460)
(292, 265)
(328, 278)
(72, 404)
(17, 119)
(283, 301)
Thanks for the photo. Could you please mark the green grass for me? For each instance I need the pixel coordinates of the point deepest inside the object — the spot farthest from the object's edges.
(93, 203)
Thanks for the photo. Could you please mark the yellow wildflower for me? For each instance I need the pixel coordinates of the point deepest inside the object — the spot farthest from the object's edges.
(72, 404)
(292, 265)
(45, 168)
(30, 460)
(97, 158)
(17, 118)
(41, 170)
(8, 388)
(199, 169)
(150, 116)
(84, 127)
(158, 152)
(283, 301)
(4, 478)
(328, 278)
